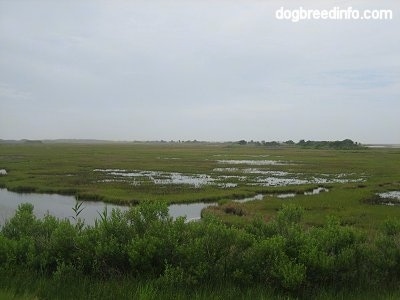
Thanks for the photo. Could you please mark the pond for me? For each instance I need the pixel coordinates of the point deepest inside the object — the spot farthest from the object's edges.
(61, 206)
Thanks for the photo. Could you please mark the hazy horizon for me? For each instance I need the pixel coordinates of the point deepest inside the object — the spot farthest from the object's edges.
(197, 70)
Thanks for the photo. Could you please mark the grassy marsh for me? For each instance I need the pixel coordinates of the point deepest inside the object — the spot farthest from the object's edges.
(365, 226)
(69, 169)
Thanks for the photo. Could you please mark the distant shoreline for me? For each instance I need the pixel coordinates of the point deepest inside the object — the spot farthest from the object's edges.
(95, 141)
(382, 145)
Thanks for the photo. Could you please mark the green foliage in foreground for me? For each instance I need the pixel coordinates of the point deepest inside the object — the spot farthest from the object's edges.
(85, 288)
(147, 244)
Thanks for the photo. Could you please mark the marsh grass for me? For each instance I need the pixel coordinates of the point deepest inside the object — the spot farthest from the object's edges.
(68, 169)
(9, 295)
(360, 238)
(37, 288)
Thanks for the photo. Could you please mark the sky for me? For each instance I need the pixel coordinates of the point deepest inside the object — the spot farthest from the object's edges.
(204, 70)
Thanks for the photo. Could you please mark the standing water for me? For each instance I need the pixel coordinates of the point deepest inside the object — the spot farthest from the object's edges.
(61, 206)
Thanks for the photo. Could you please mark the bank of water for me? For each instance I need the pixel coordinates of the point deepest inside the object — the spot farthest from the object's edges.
(315, 191)
(61, 206)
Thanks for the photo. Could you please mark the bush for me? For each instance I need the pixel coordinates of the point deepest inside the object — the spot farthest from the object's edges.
(7, 252)
(155, 238)
(386, 258)
(267, 262)
(333, 255)
(23, 224)
(146, 242)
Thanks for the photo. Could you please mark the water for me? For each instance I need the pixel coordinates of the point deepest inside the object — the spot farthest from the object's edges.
(61, 206)
(247, 176)
(278, 181)
(316, 191)
(192, 211)
(288, 195)
(391, 198)
(157, 177)
(253, 162)
(256, 197)
(265, 172)
(390, 195)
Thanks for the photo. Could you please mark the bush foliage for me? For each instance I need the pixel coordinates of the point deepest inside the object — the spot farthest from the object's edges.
(146, 242)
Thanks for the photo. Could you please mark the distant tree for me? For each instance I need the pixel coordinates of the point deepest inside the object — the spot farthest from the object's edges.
(289, 142)
(340, 145)
(301, 142)
(271, 144)
(242, 142)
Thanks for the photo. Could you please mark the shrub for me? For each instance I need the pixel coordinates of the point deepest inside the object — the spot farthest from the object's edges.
(386, 258)
(111, 236)
(155, 238)
(333, 255)
(7, 252)
(22, 224)
(268, 263)
(145, 241)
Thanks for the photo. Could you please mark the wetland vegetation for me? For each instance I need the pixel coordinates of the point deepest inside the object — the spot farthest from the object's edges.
(334, 236)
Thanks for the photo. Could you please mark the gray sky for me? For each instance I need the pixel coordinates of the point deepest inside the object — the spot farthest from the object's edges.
(205, 70)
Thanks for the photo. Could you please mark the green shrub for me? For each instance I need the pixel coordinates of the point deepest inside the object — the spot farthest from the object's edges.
(289, 214)
(387, 251)
(7, 252)
(22, 224)
(214, 250)
(146, 242)
(112, 234)
(267, 263)
(333, 255)
(155, 238)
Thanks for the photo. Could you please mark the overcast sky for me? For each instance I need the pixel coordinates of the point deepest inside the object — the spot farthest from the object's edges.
(205, 70)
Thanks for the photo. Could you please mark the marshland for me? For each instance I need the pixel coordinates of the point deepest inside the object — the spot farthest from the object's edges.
(274, 221)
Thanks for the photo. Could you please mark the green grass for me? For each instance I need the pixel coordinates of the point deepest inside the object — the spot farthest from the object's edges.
(9, 295)
(68, 169)
(86, 289)
(23, 286)
(341, 201)
(90, 289)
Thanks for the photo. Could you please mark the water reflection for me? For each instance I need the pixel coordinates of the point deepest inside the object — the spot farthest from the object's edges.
(61, 206)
